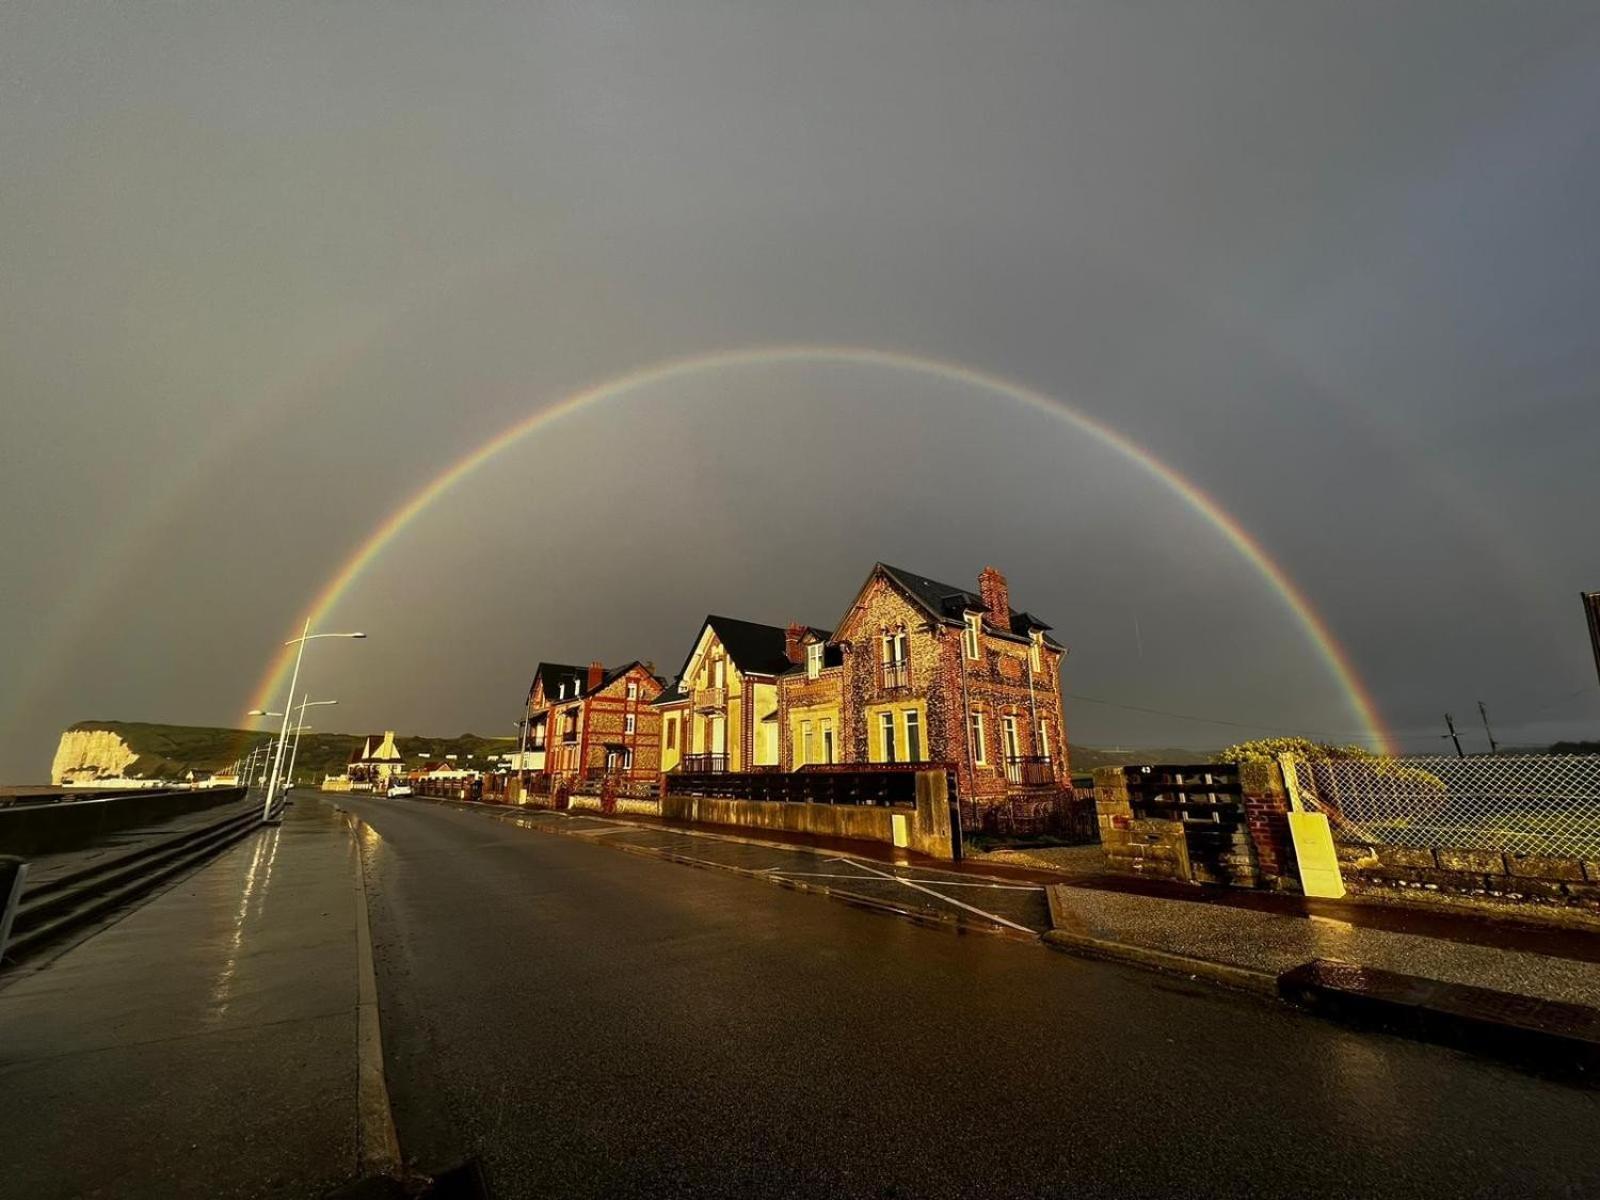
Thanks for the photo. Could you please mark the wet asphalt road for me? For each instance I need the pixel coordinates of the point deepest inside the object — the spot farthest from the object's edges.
(591, 1023)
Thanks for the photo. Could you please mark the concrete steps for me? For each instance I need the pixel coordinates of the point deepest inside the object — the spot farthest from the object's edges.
(59, 907)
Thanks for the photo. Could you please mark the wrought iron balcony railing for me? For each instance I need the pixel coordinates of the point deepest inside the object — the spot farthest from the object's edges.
(704, 764)
(1030, 770)
(895, 675)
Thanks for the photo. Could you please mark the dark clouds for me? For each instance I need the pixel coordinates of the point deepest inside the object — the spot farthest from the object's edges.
(1335, 262)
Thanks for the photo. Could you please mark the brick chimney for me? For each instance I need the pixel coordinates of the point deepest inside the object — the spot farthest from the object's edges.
(996, 597)
(793, 639)
(597, 672)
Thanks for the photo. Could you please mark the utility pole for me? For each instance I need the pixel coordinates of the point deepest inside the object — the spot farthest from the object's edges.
(1450, 724)
(1494, 747)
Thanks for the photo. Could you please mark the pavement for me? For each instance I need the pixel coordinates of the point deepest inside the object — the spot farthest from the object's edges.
(583, 1022)
(205, 1045)
(573, 1020)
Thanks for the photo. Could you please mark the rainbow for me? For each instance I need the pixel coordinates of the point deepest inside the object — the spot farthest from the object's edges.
(1316, 629)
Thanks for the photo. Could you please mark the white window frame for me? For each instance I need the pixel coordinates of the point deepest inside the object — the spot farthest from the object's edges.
(1041, 733)
(813, 660)
(633, 689)
(975, 733)
(825, 728)
(1036, 651)
(886, 735)
(971, 635)
(915, 750)
(629, 723)
(805, 744)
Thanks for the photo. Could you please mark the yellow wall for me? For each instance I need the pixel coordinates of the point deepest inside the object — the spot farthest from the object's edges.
(815, 715)
(875, 745)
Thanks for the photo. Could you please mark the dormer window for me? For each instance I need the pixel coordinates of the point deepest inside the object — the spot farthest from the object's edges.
(1036, 650)
(813, 660)
(969, 635)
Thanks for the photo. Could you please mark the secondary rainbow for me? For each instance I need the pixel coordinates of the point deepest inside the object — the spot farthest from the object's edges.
(1337, 661)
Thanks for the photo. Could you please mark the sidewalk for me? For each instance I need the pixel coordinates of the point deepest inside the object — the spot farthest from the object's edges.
(206, 1044)
(1251, 946)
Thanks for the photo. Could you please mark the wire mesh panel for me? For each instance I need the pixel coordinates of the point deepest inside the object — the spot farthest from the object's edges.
(1518, 803)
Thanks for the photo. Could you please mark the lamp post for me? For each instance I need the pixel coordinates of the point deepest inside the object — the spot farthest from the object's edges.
(294, 681)
(305, 702)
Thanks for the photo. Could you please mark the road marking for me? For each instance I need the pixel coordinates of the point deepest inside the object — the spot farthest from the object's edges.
(995, 917)
(377, 1144)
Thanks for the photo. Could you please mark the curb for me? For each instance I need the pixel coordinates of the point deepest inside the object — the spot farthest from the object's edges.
(1239, 979)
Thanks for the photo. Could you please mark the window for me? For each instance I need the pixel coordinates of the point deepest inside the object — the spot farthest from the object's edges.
(628, 723)
(1036, 651)
(895, 649)
(969, 635)
(827, 739)
(716, 673)
(1043, 744)
(975, 735)
(633, 691)
(913, 735)
(672, 733)
(562, 693)
(627, 760)
(886, 725)
(813, 660)
(805, 744)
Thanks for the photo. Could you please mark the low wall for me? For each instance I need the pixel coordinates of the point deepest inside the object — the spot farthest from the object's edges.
(29, 830)
(827, 820)
(930, 826)
(1484, 876)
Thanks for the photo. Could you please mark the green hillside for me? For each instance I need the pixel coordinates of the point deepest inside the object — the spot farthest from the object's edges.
(171, 751)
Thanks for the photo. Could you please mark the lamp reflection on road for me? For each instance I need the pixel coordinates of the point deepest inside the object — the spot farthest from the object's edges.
(257, 879)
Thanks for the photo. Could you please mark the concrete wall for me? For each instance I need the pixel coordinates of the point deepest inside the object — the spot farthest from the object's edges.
(51, 828)
(1487, 877)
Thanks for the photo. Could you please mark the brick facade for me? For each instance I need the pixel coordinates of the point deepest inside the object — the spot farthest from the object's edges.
(590, 735)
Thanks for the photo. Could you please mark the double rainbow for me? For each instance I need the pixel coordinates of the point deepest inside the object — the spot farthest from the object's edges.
(1333, 655)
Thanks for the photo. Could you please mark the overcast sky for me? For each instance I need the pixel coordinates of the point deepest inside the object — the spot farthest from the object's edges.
(266, 268)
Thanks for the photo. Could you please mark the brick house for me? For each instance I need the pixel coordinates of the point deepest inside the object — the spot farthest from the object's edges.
(551, 682)
(722, 714)
(600, 722)
(923, 671)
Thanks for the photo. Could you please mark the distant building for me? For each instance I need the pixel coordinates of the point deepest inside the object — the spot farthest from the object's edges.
(373, 763)
(923, 671)
(552, 682)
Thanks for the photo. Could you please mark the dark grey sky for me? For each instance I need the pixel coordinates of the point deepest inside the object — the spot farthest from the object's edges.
(266, 268)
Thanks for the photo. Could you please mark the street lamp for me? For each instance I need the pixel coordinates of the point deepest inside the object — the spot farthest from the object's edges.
(305, 702)
(294, 681)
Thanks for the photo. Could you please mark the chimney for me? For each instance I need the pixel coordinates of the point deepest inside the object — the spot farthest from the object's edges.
(597, 671)
(793, 637)
(996, 597)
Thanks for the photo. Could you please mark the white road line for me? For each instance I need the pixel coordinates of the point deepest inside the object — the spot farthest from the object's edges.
(999, 920)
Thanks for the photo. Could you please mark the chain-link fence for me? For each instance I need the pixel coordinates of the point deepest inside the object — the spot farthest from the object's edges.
(1517, 803)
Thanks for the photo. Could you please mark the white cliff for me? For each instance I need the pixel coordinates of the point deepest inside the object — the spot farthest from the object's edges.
(90, 753)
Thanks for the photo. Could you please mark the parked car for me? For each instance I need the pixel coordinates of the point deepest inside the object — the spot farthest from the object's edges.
(400, 789)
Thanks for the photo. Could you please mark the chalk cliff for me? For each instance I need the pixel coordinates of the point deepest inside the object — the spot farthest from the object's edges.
(90, 753)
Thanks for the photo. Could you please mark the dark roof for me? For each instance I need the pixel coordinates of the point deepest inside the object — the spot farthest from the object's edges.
(754, 649)
(616, 673)
(672, 694)
(948, 603)
(553, 674)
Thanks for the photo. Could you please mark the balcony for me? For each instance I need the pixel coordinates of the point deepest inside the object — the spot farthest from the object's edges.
(895, 676)
(1030, 770)
(704, 764)
(710, 699)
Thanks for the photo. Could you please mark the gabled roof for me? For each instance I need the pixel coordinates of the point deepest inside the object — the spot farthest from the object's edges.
(616, 673)
(948, 603)
(753, 649)
(673, 693)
